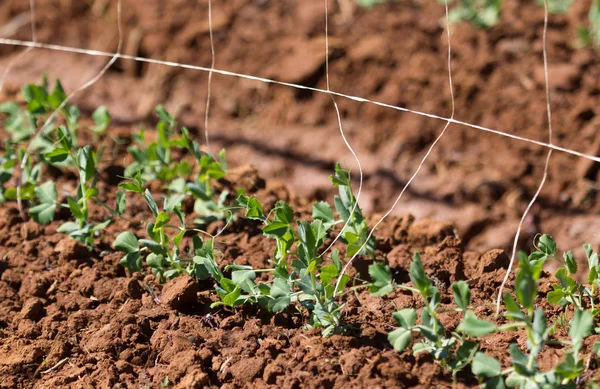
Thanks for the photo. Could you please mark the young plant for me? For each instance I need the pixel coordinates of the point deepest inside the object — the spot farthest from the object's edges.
(356, 231)
(307, 280)
(522, 313)
(155, 161)
(453, 350)
(482, 13)
(568, 291)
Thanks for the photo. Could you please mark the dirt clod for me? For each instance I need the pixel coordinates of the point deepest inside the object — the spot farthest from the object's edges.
(180, 293)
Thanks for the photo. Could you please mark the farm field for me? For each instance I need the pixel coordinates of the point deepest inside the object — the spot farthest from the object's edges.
(193, 273)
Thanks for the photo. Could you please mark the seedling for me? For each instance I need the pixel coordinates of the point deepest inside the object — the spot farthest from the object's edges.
(482, 13)
(356, 231)
(155, 160)
(453, 350)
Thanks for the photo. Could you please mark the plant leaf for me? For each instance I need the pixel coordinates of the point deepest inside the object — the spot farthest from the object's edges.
(382, 279)
(473, 326)
(126, 242)
(462, 294)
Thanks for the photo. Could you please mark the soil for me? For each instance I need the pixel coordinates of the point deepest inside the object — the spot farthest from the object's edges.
(75, 318)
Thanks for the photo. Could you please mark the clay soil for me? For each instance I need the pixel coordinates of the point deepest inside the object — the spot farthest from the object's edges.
(75, 318)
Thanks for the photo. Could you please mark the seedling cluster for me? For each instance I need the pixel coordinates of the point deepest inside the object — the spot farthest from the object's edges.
(305, 272)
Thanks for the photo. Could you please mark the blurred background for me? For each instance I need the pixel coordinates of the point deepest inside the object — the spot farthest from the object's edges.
(393, 52)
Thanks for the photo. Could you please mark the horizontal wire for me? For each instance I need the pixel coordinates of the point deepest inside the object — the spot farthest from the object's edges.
(98, 53)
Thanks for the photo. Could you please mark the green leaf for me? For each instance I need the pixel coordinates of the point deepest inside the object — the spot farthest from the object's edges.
(400, 339)
(581, 326)
(322, 211)
(419, 278)
(153, 246)
(101, 118)
(75, 209)
(555, 297)
(547, 245)
(520, 361)
(276, 229)
(126, 242)
(406, 318)
(155, 260)
(162, 219)
(284, 213)
(462, 294)
(253, 208)
(121, 203)
(513, 312)
(57, 155)
(132, 261)
(570, 262)
(47, 193)
(239, 276)
(382, 279)
(596, 348)
(485, 366)
(151, 203)
(328, 274)
(569, 369)
(43, 213)
(473, 326)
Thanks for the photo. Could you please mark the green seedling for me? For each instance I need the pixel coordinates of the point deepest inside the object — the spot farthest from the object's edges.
(590, 34)
(357, 231)
(522, 313)
(307, 281)
(164, 254)
(568, 292)
(155, 161)
(482, 13)
(453, 350)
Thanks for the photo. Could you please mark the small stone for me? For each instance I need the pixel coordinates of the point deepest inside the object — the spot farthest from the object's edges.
(180, 293)
(33, 309)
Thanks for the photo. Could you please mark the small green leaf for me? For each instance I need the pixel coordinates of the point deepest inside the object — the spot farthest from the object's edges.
(151, 203)
(485, 366)
(155, 260)
(43, 213)
(126, 242)
(47, 193)
(57, 155)
(547, 245)
(275, 229)
(162, 219)
(132, 261)
(473, 326)
(570, 262)
(581, 326)
(419, 278)
(382, 279)
(406, 317)
(75, 209)
(101, 118)
(253, 208)
(400, 339)
(462, 294)
(322, 211)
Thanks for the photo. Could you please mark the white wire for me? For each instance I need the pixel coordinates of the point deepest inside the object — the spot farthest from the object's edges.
(98, 53)
(389, 212)
(545, 175)
(210, 74)
(339, 119)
